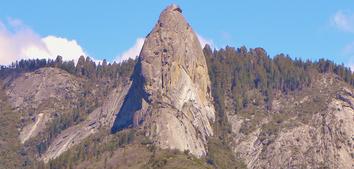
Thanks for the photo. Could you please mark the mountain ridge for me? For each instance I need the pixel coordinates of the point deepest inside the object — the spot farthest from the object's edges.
(177, 106)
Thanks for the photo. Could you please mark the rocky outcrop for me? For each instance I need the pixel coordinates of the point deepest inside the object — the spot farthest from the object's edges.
(168, 98)
(102, 116)
(315, 131)
(170, 95)
(40, 94)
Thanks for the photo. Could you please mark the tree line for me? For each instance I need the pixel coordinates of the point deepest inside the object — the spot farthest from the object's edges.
(236, 71)
(85, 67)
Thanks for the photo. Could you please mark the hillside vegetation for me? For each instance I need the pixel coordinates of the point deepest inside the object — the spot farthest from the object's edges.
(245, 84)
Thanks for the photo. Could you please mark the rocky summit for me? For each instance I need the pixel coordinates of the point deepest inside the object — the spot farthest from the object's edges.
(170, 96)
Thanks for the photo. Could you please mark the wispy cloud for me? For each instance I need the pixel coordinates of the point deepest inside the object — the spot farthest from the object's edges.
(344, 21)
(203, 41)
(18, 41)
(132, 52)
(348, 52)
(349, 49)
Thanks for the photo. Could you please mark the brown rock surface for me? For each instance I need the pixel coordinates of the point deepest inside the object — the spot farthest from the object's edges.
(170, 94)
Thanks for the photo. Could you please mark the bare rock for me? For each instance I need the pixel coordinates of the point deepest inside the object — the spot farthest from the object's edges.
(102, 116)
(323, 140)
(39, 94)
(170, 95)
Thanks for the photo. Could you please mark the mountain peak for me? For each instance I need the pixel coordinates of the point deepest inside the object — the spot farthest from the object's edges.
(173, 7)
(170, 93)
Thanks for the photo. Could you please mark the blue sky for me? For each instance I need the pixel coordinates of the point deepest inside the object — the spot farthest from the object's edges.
(106, 29)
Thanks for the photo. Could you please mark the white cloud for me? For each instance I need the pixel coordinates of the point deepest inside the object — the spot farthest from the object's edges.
(203, 41)
(69, 49)
(132, 52)
(17, 41)
(343, 21)
(348, 52)
(349, 49)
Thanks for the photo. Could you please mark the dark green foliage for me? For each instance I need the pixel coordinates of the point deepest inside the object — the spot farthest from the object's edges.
(174, 159)
(87, 102)
(93, 148)
(244, 82)
(69, 66)
(327, 66)
(124, 149)
(85, 67)
(236, 71)
(9, 142)
(98, 81)
(221, 156)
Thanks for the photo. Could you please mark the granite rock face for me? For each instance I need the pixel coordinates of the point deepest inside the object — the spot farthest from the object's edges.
(316, 132)
(170, 96)
(41, 94)
(101, 117)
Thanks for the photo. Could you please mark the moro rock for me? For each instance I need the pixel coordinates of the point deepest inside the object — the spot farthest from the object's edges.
(170, 96)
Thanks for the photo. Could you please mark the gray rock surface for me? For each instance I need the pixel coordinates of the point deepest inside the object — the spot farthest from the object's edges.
(323, 140)
(102, 116)
(170, 95)
(40, 94)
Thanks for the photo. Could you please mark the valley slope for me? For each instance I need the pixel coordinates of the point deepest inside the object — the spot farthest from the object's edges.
(177, 105)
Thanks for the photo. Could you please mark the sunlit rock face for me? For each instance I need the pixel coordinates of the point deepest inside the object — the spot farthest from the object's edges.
(170, 96)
